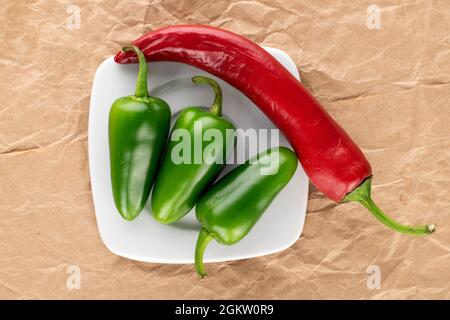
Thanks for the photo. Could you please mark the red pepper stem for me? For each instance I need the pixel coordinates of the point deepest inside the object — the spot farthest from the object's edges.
(141, 84)
(216, 107)
(204, 237)
(362, 195)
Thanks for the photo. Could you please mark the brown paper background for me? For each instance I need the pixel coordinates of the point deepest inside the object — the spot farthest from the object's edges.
(389, 89)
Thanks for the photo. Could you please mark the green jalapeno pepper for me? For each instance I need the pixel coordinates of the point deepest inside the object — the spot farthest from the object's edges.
(138, 130)
(185, 173)
(233, 205)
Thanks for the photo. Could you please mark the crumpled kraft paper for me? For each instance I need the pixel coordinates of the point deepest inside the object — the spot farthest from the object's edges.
(381, 69)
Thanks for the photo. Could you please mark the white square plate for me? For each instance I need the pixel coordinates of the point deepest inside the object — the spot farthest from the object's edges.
(144, 239)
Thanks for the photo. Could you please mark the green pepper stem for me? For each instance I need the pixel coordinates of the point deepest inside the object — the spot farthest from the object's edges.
(141, 84)
(362, 195)
(216, 107)
(204, 237)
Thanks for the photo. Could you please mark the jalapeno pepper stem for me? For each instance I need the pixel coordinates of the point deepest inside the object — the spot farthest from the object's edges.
(204, 237)
(216, 107)
(362, 195)
(141, 84)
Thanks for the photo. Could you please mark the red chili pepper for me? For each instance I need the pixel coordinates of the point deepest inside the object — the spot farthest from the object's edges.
(333, 162)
